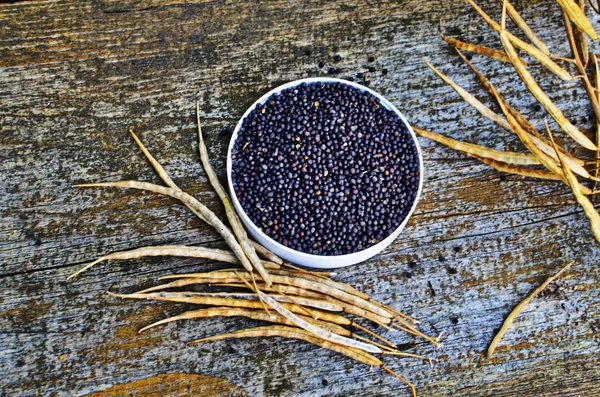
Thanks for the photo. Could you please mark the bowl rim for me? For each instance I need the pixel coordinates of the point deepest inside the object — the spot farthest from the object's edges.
(345, 259)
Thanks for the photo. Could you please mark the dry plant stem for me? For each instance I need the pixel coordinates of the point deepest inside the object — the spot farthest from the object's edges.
(597, 87)
(415, 332)
(582, 45)
(538, 139)
(577, 16)
(470, 99)
(189, 201)
(589, 89)
(489, 52)
(520, 22)
(542, 98)
(294, 333)
(588, 208)
(513, 158)
(234, 220)
(511, 317)
(525, 47)
(258, 315)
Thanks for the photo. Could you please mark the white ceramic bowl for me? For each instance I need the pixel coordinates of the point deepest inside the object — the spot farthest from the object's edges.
(302, 258)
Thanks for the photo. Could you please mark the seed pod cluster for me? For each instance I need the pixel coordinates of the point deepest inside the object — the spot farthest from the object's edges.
(303, 304)
(559, 164)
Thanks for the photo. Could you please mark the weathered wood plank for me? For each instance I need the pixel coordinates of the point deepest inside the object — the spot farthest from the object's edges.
(75, 75)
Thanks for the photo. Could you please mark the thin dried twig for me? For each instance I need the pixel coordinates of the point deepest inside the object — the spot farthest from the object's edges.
(511, 317)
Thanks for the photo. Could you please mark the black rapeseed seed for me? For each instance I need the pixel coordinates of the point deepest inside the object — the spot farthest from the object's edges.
(325, 168)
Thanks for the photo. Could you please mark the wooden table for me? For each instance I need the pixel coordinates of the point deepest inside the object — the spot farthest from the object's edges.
(75, 75)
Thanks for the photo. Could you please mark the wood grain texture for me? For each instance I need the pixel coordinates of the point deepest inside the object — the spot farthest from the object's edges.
(75, 75)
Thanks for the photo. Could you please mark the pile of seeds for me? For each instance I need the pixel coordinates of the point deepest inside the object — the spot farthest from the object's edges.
(325, 168)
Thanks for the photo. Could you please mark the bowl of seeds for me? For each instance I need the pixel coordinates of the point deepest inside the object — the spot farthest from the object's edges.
(324, 172)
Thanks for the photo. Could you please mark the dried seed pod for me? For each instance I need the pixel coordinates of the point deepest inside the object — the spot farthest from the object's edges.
(470, 99)
(588, 207)
(519, 308)
(166, 250)
(542, 98)
(577, 16)
(518, 170)
(512, 158)
(488, 52)
(527, 48)
(597, 89)
(318, 331)
(184, 297)
(320, 304)
(192, 203)
(298, 282)
(232, 216)
(266, 253)
(577, 54)
(538, 139)
(348, 307)
(294, 333)
(520, 22)
(259, 315)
